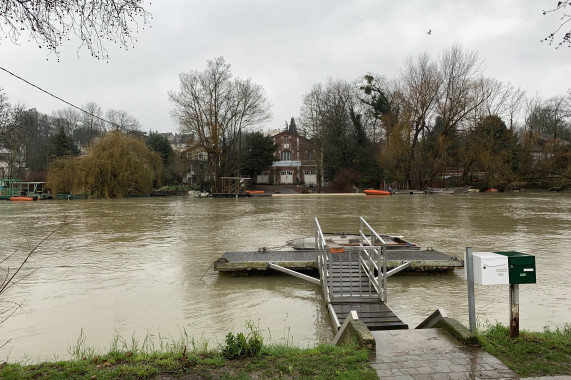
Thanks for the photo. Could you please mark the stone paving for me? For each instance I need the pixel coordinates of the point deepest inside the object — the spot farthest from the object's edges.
(433, 354)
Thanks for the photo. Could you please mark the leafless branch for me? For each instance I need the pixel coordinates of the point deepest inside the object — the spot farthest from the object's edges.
(562, 6)
(6, 284)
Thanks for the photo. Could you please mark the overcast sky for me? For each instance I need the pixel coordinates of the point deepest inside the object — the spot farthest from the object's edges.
(286, 46)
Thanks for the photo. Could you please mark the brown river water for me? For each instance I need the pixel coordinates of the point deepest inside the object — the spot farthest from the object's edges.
(133, 266)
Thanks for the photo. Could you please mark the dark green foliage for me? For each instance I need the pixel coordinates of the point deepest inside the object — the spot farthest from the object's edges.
(158, 143)
(258, 153)
(292, 127)
(242, 346)
(60, 145)
(493, 149)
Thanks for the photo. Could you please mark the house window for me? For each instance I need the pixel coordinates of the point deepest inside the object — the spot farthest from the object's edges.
(309, 155)
(286, 155)
(286, 139)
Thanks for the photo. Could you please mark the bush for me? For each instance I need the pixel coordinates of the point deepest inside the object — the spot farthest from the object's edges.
(241, 346)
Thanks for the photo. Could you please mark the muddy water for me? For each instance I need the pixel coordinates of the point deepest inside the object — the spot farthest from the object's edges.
(133, 267)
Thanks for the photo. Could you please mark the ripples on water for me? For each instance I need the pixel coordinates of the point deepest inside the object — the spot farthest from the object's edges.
(133, 266)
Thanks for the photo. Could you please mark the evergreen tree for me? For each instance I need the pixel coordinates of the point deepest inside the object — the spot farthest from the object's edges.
(158, 143)
(292, 127)
(61, 145)
(258, 154)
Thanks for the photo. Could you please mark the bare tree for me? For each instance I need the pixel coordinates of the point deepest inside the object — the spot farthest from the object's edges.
(69, 118)
(12, 276)
(419, 94)
(95, 22)
(563, 8)
(216, 108)
(121, 120)
(312, 128)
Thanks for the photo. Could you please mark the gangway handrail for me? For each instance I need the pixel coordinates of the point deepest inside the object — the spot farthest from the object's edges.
(376, 260)
(322, 252)
(373, 232)
(372, 260)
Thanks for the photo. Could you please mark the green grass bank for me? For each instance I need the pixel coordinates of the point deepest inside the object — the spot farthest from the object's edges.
(246, 356)
(546, 353)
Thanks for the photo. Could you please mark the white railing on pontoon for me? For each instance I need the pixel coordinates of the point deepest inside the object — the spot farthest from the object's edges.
(372, 262)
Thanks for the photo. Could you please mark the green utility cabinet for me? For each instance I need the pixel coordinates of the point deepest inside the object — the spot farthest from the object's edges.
(521, 267)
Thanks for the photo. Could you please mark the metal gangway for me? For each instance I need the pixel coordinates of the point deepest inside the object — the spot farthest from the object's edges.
(357, 273)
(354, 279)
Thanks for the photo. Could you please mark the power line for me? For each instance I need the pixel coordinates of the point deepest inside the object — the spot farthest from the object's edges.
(58, 98)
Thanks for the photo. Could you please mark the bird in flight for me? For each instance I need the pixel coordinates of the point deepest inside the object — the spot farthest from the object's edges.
(429, 31)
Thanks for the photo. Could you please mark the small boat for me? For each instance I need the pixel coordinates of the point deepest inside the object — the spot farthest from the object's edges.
(376, 192)
(491, 190)
(336, 240)
(23, 199)
(439, 190)
(408, 191)
(198, 194)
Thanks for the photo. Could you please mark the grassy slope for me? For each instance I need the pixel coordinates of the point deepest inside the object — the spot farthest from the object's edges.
(545, 353)
(322, 362)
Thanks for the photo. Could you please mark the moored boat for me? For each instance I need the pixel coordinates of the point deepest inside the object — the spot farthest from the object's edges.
(8, 188)
(446, 190)
(338, 240)
(23, 198)
(439, 190)
(376, 192)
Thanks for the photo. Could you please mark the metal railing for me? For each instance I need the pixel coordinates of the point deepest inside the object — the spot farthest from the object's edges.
(371, 261)
(373, 258)
(322, 252)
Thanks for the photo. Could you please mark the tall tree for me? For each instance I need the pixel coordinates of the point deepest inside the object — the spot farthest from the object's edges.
(61, 145)
(68, 118)
(493, 147)
(258, 153)
(379, 96)
(96, 22)
(121, 121)
(312, 127)
(419, 93)
(159, 144)
(92, 124)
(116, 166)
(464, 90)
(327, 121)
(292, 127)
(216, 108)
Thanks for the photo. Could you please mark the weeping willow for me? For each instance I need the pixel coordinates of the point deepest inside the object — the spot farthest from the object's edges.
(116, 166)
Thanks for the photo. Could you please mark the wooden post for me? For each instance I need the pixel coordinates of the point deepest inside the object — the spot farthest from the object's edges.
(514, 310)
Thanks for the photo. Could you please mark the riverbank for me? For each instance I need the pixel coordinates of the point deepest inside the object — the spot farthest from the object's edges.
(321, 362)
(532, 354)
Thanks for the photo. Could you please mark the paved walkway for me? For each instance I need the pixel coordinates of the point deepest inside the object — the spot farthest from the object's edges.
(433, 354)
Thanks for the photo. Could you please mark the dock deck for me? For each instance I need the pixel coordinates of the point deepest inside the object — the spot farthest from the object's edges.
(352, 274)
(305, 260)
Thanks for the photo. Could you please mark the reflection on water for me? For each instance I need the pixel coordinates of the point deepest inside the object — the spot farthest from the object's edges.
(133, 266)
